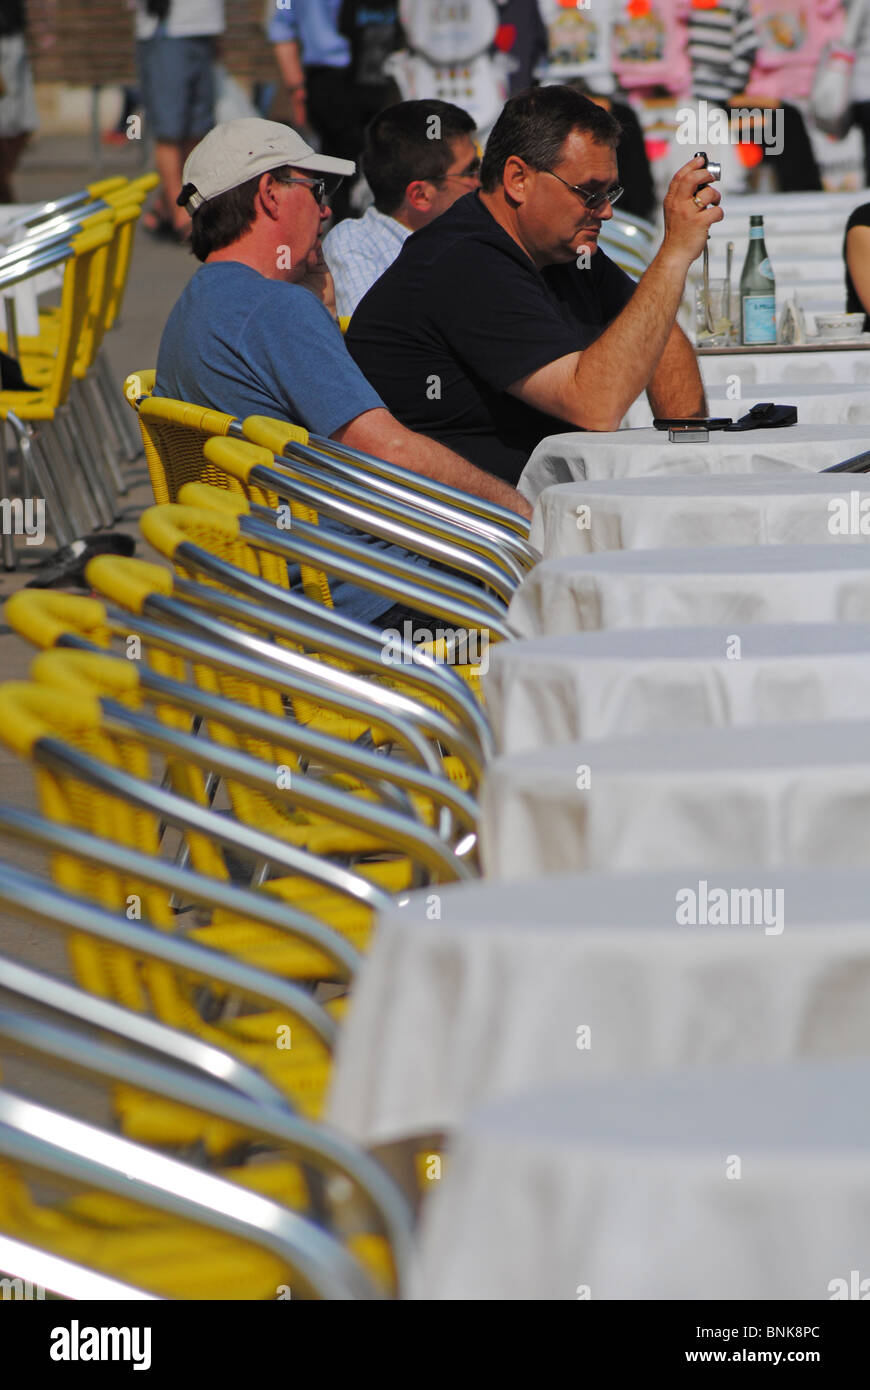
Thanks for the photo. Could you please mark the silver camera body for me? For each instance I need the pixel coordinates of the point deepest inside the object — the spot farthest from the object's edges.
(713, 166)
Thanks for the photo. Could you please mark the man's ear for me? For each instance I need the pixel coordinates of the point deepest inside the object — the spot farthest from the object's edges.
(420, 195)
(515, 178)
(267, 194)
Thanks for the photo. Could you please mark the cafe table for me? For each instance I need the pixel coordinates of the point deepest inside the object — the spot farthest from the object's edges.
(694, 587)
(725, 1183)
(657, 512)
(590, 685)
(635, 453)
(775, 795)
(558, 979)
(818, 402)
(744, 367)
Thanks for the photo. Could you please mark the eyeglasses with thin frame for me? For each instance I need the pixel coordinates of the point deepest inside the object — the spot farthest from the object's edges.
(317, 186)
(472, 172)
(590, 200)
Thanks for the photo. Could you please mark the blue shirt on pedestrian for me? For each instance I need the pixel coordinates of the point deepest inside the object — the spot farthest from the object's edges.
(313, 24)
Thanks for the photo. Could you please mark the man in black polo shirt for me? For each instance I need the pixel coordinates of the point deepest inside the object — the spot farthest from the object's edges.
(502, 322)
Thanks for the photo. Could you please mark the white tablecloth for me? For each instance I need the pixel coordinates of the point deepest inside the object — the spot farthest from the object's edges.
(565, 458)
(818, 403)
(601, 684)
(844, 364)
(696, 587)
(701, 799)
(488, 999)
(727, 509)
(631, 1189)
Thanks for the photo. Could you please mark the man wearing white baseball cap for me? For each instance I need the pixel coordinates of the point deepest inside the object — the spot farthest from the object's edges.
(254, 332)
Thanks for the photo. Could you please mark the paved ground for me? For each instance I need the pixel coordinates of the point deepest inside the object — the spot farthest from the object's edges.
(53, 168)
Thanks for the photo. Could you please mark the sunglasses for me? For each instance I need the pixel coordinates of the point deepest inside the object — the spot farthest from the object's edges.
(590, 200)
(320, 188)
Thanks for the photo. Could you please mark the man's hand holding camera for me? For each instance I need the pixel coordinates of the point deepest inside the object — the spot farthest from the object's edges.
(691, 207)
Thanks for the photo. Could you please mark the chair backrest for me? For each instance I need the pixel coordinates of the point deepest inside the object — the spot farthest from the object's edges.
(396, 578)
(80, 788)
(175, 1069)
(83, 271)
(135, 192)
(173, 433)
(207, 544)
(251, 653)
(106, 294)
(98, 776)
(199, 1206)
(159, 713)
(139, 385)
(370, 511)
(493, 520)
(324, 953)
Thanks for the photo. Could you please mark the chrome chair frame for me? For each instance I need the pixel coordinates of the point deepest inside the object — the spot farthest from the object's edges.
(66, 1148)
(402, 833)
(39, 901)
(313, 1145)
(342, 557)
(182, 630)
(396, 483)
(371, 768)
(401, 520)
(407, 527)
(186, 886)
(145, 1033)
(64, 1277)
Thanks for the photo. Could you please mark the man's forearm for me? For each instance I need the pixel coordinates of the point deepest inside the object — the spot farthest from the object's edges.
(675, 387)
(379, 433)
(423, 455)
(289, 58)
(623, 360)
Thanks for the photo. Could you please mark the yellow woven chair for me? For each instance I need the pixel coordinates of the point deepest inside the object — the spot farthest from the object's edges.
(49, 620)
(333, 820)
(277, 1154)
(147, 1245)
(174, 433)
(325, 897)
(46, 406)
(189, 537)
(138, 1245)
(87, 391)
(33, 714)
(286, 1160)
(372, 845)
(239, 460)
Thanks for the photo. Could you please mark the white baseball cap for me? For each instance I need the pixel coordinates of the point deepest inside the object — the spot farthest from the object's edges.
(239, 150)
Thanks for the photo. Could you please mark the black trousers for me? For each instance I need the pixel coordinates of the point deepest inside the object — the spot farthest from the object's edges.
(334, 116)
(861, 118)
(795, 167)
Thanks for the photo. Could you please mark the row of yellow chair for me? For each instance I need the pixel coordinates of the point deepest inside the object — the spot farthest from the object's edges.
(72, 433)
(265, 780)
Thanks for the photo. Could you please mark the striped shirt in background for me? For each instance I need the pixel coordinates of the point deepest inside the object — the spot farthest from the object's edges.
(722, 44)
